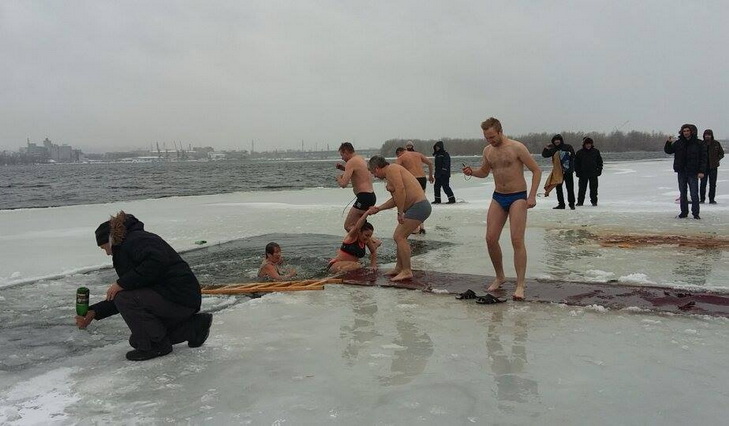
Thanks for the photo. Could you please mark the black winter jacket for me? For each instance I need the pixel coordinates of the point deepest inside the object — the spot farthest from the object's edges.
(567, 157)
(689, 156)
(715, 154)
(588, 163)
(442, 161)
(144, 259)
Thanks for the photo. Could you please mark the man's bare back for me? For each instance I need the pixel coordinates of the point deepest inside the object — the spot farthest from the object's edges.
(413, 162)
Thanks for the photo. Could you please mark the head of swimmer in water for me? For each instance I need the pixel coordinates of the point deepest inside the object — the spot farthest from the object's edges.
(273, 253)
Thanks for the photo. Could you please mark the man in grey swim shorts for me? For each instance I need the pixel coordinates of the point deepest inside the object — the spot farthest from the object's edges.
(412, 209)
(419, 211)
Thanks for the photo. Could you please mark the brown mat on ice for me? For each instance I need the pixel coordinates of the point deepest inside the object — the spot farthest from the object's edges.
(612, 295)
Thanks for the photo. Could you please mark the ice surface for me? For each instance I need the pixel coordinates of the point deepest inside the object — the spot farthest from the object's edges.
(382, 356)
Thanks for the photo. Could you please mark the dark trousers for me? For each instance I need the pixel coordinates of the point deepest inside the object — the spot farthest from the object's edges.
(582, 184)
(154, 321)
(569, 183)
(711, 178)
(688, 182)
(443, 182)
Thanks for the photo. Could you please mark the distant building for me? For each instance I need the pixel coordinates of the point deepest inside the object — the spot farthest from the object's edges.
(52, 152)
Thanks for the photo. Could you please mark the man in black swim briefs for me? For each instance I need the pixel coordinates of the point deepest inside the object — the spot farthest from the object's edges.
(365, 200)
(355, 171)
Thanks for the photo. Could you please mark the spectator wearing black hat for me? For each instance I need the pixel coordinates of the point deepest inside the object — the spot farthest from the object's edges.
(689, 163)
(714, 155)
(588, 166)
(156, 293)
(567, 160)
(442, 173)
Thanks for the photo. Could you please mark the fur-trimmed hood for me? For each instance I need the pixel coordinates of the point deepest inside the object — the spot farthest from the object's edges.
(120, 225)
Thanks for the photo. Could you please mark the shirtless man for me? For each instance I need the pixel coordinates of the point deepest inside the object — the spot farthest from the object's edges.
(412, 209)
(507, 158)
(355, 170)
(413, 161)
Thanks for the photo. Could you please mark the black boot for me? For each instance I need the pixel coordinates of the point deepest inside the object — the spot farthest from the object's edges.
(436, 201)
(202, 329)
(559, 207)
(140, 355)
(451, 200)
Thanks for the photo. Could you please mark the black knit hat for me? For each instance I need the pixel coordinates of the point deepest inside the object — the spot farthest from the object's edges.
(102, 233)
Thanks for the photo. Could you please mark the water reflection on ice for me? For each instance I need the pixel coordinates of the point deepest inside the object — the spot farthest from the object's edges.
(354, 355)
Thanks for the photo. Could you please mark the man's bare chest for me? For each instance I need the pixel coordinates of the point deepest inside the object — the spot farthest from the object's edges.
(499, 160)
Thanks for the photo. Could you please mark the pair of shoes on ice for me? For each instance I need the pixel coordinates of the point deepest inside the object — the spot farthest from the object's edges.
(487, 299)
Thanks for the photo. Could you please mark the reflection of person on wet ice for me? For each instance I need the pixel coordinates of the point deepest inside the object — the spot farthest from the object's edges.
(412, 209)
(507, 158)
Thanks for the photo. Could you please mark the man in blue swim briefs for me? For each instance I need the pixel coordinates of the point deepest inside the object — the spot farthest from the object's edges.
(355, 170)
(507, 159)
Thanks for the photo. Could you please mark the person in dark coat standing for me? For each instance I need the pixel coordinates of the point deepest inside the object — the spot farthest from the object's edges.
(588, 166)
(714, 154)
(567, 160)
(157, 294)
(689, 162)
(442, 173)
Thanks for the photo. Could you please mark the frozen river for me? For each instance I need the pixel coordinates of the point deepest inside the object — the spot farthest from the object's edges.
(370, 355)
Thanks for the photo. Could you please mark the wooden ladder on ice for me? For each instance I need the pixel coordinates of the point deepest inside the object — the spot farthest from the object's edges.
(268, 287)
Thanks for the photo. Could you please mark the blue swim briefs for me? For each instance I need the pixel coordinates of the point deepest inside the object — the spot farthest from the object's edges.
(506, 200)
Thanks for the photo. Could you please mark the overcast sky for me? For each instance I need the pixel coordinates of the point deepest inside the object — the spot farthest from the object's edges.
(111, 75)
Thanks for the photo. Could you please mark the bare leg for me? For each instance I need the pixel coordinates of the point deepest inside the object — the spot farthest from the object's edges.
(344, 266)
(352, 218)
(517, 227)
(402, 231)
(495, 220)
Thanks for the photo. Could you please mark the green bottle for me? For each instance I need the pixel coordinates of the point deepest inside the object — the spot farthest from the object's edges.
(82, 301)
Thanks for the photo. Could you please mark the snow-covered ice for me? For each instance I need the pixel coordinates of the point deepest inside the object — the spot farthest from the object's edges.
(384, 356)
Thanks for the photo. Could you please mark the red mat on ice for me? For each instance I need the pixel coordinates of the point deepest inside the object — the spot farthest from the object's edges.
(610, 295)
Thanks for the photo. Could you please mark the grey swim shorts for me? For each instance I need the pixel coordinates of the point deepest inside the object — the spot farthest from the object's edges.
(419, 211)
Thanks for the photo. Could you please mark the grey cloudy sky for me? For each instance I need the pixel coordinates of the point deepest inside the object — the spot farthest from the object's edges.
(106, 75)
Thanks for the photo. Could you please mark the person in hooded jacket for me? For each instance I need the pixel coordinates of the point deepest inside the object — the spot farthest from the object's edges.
(567, 160)
(442, 173)
(714, 153)
(588, 166)
(157, 294)
(689, 162)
